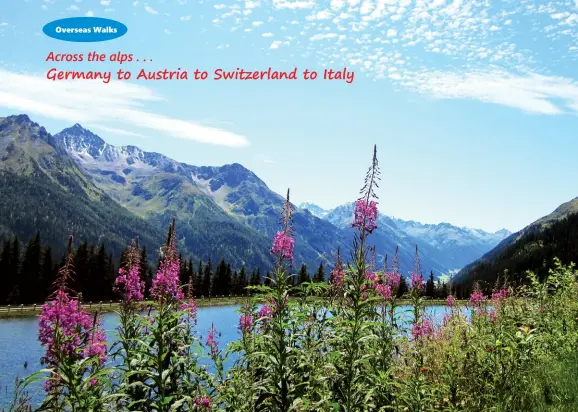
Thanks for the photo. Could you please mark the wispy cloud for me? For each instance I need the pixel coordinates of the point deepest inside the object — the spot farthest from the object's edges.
(150, 10)
(531, 92)
(93, 102)
(395, 39)
(114, 130)
(90, 13)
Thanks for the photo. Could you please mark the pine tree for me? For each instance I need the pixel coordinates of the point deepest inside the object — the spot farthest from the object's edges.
(320, 274)
(303, 276)
(235, 284)
(81, 272)
(183, 273)
(30, 282)
(7, 279)
(198, 280)
(430, 286)
(267, 280)
(243, 281)
(228, 280)
(207, 276)
(13, 267)
(403, 288)
(219, 278)
(48, 273)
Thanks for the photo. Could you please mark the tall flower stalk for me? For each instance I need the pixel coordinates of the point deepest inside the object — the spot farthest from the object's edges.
(279, 392)
(75, 347)
(354, 316)
(129, 285)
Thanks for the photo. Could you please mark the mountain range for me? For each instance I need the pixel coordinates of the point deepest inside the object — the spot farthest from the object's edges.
(532, 248)
(454, 247)
(74, 181)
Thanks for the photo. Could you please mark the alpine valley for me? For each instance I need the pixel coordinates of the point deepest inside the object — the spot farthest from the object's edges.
(75, 181)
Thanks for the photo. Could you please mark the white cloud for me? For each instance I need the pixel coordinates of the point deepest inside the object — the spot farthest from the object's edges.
(185, 18)
(275, 44)
(251, 4)
(114, 130)
(93, 102)
(90, 13)
(105, 2)
(532, 92)
(323, 36)
(257, 23)
(220, 6)
(391, 33)
(151, 10)
(298, 4)
(269, 34)
(72, 7)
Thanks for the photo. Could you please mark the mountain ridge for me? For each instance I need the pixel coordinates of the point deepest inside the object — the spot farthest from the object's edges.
(456, 246)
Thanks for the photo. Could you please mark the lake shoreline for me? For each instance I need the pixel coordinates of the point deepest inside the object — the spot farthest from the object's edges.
(106, 307)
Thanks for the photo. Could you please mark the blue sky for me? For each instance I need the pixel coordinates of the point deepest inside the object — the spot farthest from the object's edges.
(473, 104)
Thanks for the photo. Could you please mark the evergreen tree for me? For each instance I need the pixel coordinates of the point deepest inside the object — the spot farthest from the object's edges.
(243, 281)
(267, 280)
(30, 281)
(81, 268)
(183, 273)
(403, 288)
(303, 276)
(13, 266)
(227, 280)
(218, 279)
(235, 284)
(207, 275)
(430, 286)
(7, 278)
(320, 274)
(97, 286)
(198, 280)
(48, 273)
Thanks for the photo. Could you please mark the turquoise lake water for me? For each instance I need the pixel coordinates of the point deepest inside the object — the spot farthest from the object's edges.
(19, 341)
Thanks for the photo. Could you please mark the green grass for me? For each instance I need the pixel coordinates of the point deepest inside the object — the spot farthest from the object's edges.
(554, 386)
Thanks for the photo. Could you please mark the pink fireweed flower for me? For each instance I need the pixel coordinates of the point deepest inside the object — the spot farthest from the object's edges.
(129, 284)
(203, 402)
(423, 329)
(448, 316)
(477, 298)
(365, 215)
(384, 291)
(211, 342)
(266, 311)
(417, 281)
(67, 330)
(166, 282)
(283, 245)
(370, 276)
(493, 316)
(190, 308)
(392, 279)
(451, 301)
(245, 323)
(500, 295)
(338, 276)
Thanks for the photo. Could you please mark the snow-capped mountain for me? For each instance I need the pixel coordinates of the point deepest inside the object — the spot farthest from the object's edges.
(314, 209)
(456, 246)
